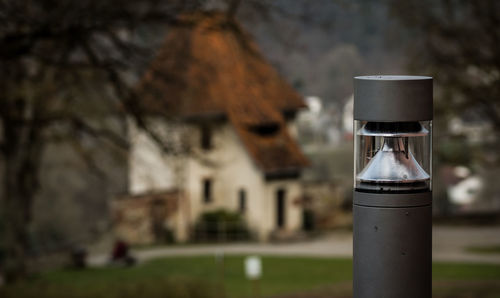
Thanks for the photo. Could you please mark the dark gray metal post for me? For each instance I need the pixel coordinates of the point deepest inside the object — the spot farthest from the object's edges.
(392, 229)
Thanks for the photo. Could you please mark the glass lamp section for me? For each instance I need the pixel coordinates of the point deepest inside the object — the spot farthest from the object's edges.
(392, 156)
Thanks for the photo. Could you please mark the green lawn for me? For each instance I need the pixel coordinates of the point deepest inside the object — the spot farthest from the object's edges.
(494, 249)
(201, 277)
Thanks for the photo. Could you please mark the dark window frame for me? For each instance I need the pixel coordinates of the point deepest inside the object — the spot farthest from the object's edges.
(206, 137)
(207, 190)
(242, 200)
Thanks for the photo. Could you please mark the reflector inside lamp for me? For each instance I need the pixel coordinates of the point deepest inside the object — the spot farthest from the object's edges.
(393, 164)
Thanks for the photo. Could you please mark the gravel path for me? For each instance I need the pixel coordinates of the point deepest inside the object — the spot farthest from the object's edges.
(449, 244)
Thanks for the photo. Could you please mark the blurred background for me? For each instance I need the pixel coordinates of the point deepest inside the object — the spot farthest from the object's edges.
(150, 147)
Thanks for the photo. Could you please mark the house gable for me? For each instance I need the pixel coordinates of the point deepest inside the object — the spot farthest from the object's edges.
(209, 68)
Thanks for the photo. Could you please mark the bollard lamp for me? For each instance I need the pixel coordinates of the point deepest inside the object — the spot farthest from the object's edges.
(392, 186)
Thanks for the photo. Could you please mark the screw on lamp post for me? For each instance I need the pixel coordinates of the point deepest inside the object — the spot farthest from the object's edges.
(392, 211)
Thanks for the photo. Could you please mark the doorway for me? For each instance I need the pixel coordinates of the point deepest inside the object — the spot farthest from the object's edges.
(280, 208)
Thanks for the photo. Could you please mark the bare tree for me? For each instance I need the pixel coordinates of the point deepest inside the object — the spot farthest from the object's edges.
(456, 41)
(63, 64)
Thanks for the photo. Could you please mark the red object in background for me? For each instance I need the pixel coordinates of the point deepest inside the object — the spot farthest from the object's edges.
(120, 250)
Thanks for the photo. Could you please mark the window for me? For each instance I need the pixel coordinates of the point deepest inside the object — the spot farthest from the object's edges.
(205, 137)
(242, 200)
(266, 130)
(207, 190)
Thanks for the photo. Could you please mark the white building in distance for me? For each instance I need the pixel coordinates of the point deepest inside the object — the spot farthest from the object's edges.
(227, 121)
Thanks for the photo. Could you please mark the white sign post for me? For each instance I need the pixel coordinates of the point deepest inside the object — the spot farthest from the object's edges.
(253, 267)
(219, 261)
(253, 271)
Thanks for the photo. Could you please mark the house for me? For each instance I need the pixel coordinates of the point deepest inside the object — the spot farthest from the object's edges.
(228, 119)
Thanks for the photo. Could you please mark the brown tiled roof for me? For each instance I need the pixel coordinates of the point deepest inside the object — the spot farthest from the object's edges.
(273, 151)
(209, 66)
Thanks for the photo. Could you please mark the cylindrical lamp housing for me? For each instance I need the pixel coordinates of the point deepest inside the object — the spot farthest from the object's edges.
(392, 186)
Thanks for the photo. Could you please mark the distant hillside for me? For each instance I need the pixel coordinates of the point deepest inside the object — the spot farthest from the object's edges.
(320, 46)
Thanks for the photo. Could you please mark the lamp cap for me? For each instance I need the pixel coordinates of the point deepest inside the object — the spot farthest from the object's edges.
(393, 98)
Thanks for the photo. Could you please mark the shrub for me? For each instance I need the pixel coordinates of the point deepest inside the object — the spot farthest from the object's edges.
(220, 225)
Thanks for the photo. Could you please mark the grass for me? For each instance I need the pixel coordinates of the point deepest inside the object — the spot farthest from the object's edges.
(201, 277)
(457, 271)
(494, 249)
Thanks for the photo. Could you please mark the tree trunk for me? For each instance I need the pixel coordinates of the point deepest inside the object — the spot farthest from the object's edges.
(20, 181)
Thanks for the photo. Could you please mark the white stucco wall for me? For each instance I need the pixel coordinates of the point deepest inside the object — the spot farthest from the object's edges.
(150, 169)
(230, 168)
(233, 170)
(293, 194)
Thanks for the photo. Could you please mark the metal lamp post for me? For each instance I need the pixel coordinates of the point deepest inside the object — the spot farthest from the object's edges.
(392, 186)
